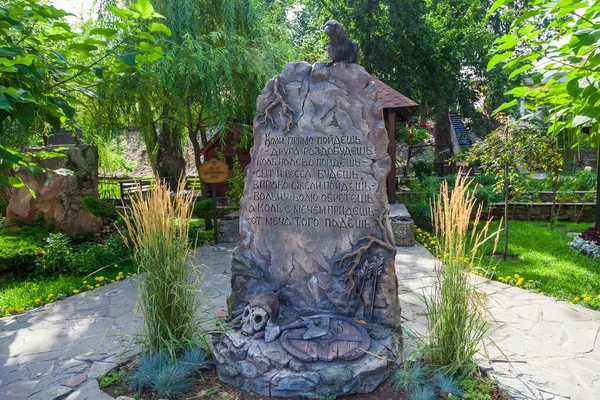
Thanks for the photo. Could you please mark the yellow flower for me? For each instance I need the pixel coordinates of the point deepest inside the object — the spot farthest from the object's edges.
(112, 281)
(100, 278)
(51, 295)
(508, 278)
(134, 275)
(85, 282)
(576, 299)
(584, 295)
(517, 276)
(586, 299)
(531, 280)
(116, 265)
(90, 287)
(38, 300)
(519, 283)
(20, 309)
(120, 272)
(10, 310)
(128, 276)
(97, 285)
(118, 278)
(570, 302)
(75, 291)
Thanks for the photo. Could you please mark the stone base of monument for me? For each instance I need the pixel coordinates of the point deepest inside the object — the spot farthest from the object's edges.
(268, 369)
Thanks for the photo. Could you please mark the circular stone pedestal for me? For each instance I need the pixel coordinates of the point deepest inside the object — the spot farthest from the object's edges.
(267, 369)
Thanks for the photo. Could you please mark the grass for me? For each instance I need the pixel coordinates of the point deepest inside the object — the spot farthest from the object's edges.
(158, 225)
(18, 293)
(454, 307)
(542, 255)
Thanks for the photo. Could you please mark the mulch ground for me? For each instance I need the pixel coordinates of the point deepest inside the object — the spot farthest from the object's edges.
(208, 387)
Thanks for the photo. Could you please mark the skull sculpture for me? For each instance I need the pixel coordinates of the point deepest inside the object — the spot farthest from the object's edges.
(258, 311)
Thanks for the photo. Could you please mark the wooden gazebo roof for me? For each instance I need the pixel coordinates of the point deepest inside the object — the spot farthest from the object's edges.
(391, 98)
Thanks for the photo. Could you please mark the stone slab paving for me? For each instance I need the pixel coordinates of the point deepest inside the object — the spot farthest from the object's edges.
(57, 351)
(538, 348)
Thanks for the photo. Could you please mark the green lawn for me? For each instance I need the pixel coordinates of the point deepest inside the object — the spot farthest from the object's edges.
(542, 255)
(21, 293)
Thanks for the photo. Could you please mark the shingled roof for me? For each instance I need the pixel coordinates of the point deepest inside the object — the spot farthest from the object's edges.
(390, 98)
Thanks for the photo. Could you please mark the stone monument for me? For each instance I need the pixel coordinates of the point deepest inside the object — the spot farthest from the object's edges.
(314, 290)
(58, 194)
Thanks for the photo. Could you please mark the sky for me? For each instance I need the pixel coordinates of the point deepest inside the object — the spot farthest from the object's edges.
(77, 7)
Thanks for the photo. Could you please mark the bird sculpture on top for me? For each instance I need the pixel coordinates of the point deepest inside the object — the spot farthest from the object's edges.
(341, 47)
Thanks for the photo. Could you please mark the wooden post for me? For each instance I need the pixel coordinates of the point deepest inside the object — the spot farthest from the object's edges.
(391, 178)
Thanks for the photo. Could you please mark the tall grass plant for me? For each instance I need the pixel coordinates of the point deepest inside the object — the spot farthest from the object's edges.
(158, 224)
(455, 308)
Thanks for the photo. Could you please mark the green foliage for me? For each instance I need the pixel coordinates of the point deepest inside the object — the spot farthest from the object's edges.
(412, 134)
(203, 209)
(90, 257)
(421, 382)
(423, 169)
(198, 234)
(478, 387)
(11, 159)
(112, 377)
(46, 63)
(236, 181)
(560, 56)
(100, 208)
(441, 62)
(19, 248)
(56, 255)
(417, 201)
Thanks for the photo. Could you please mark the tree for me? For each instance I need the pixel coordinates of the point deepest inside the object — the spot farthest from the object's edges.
(220, 54)
(555, 45)
(47, 69)
(508, 150)
(435, 52)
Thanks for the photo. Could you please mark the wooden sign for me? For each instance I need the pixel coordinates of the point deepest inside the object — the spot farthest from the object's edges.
(214, 171)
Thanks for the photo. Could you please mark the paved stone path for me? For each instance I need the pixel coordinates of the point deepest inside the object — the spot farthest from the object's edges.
(58, 350)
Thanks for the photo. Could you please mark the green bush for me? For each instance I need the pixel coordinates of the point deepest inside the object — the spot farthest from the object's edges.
(90, 258)
(203, 209)
(100, 209)
(56, 255)
(19, 248)
(422, 169)
(237, 182)
(417, 202)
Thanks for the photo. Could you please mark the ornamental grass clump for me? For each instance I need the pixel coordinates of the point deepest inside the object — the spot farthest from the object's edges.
(158, 226)
(455, 308)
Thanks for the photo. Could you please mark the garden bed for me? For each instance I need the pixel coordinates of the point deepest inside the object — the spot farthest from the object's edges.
(206, 385)
(541, 260)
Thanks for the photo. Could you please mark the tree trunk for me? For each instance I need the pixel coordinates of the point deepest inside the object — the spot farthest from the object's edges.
(193, 135)
(170, 164)
(597, 224)
(443, 146)
(506, 186)
(553, 210)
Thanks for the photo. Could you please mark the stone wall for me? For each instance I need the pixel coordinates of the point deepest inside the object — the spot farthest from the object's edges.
(58, 194)
(571, 212)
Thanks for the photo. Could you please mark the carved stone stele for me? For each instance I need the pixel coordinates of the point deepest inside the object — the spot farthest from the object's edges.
(313, 224)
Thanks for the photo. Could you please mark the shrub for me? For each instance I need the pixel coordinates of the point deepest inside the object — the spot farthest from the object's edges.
(203, 209)
(236, 181)
(100, 209)
(423, 169)
(417, 202)
(19, 247)
(585, 247)
(56, 255)
(158, 373)
(454, 308)
(158, 238)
